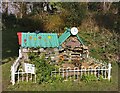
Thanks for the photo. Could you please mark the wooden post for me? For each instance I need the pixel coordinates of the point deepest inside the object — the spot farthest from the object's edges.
(109, 71)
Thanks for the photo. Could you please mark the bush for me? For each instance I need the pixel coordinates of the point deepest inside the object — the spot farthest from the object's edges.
(53, 23)
(76, 13)
(9, 20)
(94, 6)
(56, 78)
(43, 69)
(109, 21)
(31, 24)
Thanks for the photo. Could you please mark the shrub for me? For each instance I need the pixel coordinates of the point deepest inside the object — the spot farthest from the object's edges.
(53, 23)
(9, 20)
(77, 12)
(31, 24)
(56, 78)
(43, 69)
(94, 6)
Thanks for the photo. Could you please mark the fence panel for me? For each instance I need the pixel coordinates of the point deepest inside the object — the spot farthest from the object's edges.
(104, 71)
(23, 76)
(20, 75)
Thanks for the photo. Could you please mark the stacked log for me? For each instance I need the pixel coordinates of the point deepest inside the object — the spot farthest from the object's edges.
(74, 49)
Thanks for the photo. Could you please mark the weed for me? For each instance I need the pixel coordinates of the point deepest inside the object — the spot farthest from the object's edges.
(88, 78)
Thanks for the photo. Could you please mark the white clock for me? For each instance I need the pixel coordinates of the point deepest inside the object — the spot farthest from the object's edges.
(74, 31)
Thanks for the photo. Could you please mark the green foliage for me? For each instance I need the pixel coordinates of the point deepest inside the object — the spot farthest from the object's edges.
(30, 23)
(94, 6)
(109, 21)
(88, 78)
(93, 50)
(9, 20)
(43, 69)
(57, 78)
(37, 8)
(53, 23)
(32, 56)
(104, 85)
(76, 13)
(100, 78)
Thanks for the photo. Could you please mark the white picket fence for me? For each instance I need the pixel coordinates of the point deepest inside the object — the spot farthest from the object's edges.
(14, 67)
(23, 76)
(20, 75)
(104, 71)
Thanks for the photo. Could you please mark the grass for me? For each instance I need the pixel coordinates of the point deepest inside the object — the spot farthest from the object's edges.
(10, 52)
(104, 85)
(6, 74)
(96, 45)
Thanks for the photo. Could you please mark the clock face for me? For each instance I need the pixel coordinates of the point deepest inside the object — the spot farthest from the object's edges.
(74, 30)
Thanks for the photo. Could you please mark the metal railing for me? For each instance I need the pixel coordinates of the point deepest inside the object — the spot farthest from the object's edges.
(104, 71)
(19, 75)
(23, 76)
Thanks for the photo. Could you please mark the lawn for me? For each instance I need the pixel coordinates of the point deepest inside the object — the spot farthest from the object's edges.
(104, 85)
(10, 53)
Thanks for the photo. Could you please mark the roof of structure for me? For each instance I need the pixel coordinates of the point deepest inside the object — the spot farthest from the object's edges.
(44, 40)
(39, 40)
(67, 34)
